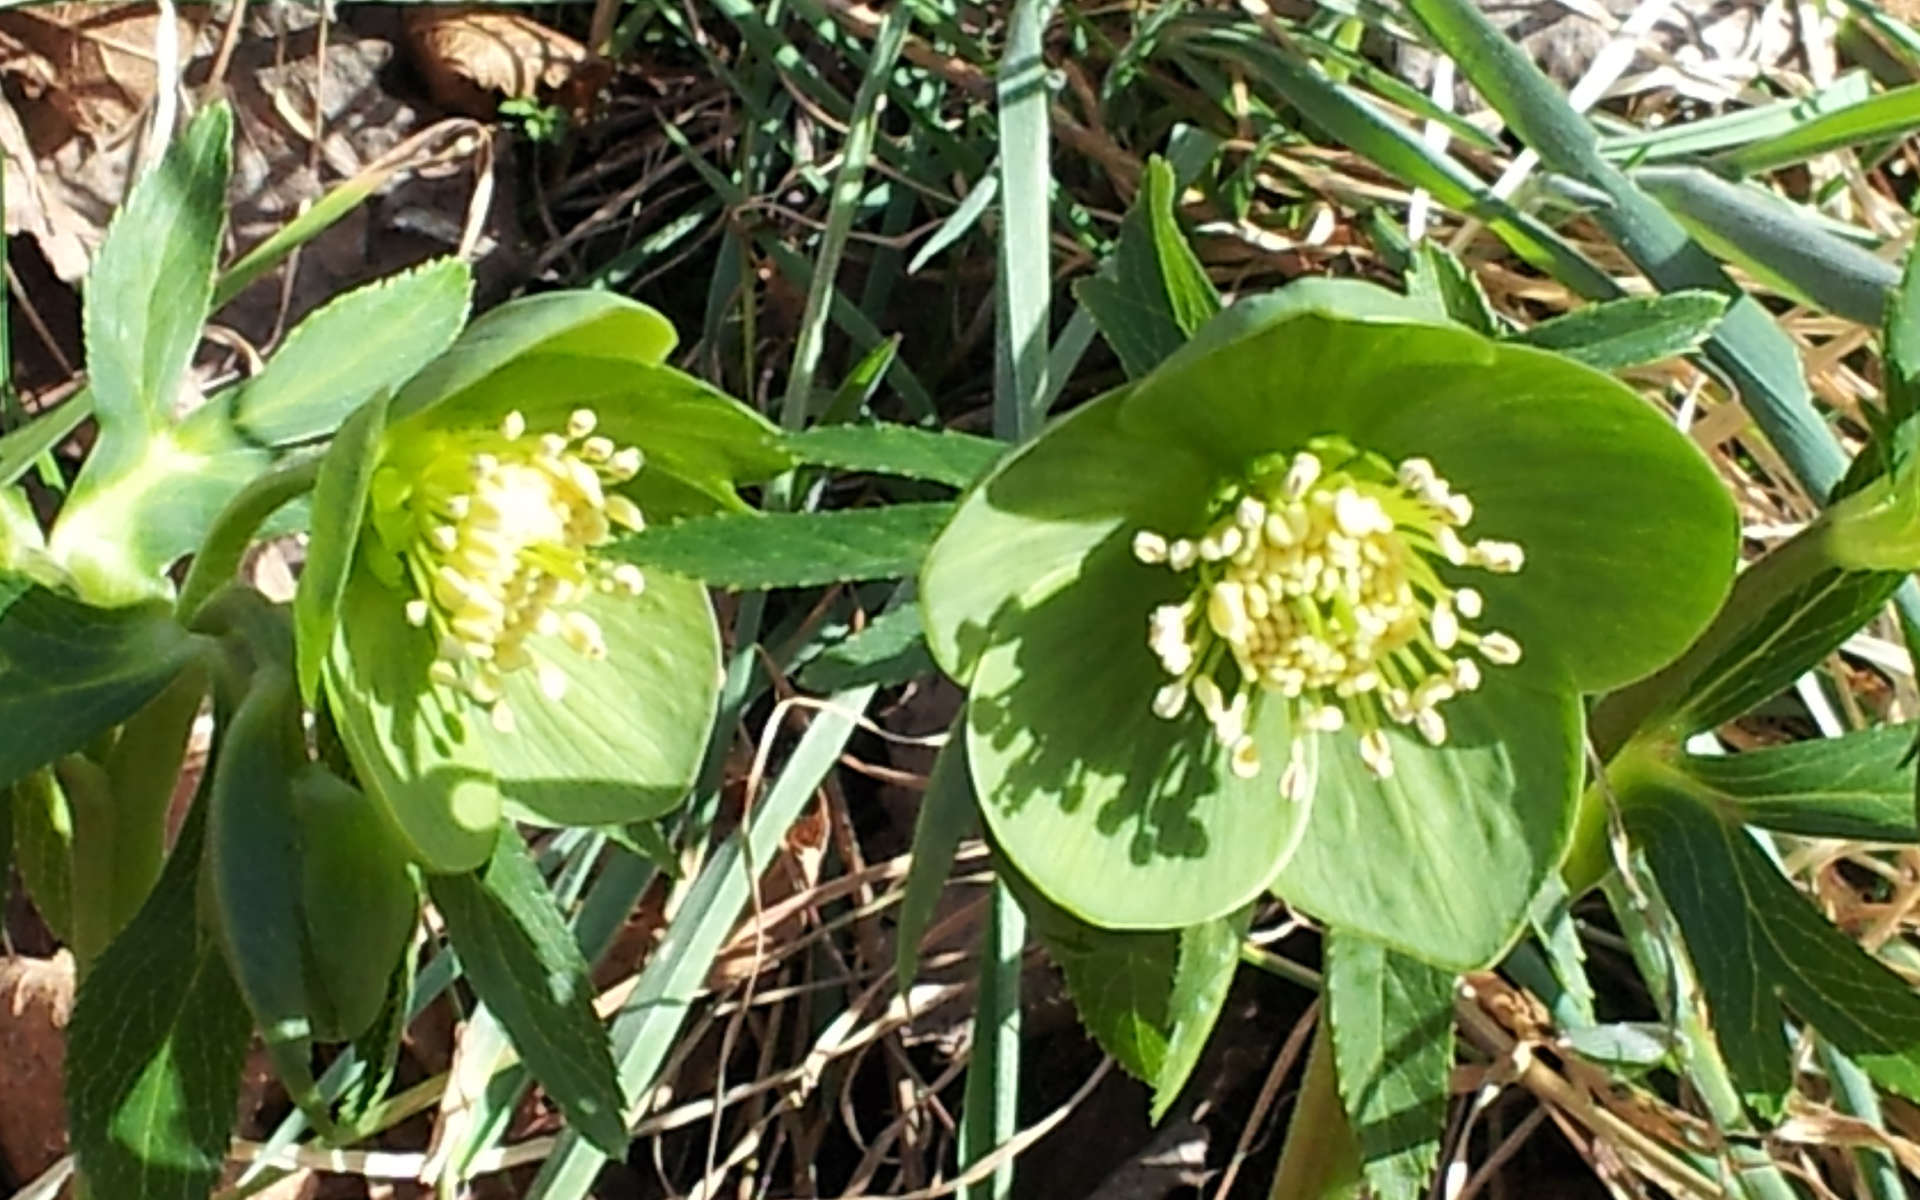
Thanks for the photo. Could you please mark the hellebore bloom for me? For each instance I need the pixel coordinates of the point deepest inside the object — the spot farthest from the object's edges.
(483, 650)
(1311, 608)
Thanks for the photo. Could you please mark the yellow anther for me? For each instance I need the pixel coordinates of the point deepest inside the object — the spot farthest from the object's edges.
(417, 612)
(513, 425)
(1296, 780)
(580, 423)
(1322, 587)
(597, 449)
(1244, 758)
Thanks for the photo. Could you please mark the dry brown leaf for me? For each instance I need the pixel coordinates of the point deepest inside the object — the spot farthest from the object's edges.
(471, 57)
(36, 998)
(91, 64)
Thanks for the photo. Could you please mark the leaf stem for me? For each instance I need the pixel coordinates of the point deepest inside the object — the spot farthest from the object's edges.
(234, 529)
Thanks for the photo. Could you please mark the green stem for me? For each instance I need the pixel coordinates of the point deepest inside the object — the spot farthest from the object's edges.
(96, 858)
(1854, 1095)
(234, 529)
(141, 772)
(1663, 963)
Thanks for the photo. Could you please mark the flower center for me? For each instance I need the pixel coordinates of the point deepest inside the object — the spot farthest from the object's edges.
(1315, 584)
(496, 531)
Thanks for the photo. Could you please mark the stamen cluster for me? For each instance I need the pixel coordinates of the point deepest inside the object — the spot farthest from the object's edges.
(497, 532)
(1315, 586)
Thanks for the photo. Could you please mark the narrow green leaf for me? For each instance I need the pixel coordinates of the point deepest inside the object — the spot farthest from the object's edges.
(21, 448)
(43, 849)
(1023, 279)
(1755, 353)
(1559, 940)
(1629, 333)
(675, 977)
(374, 1055)
(1690, 139)
(790, 549)
(959, 221)
(1902, 350)
(1858, 787)
(1391, 1019)
(1889, 115)
(1773, 243)
(1440, 278)
(989, 1112)
(891, 650)
(956, 459)
(69, 672)
(1151, 293)
(1757, 944)
(1208, 956)
(946, 818)
(146, 296)
(366, 341)
(155, 1046)
(339, 503)
(524, 964)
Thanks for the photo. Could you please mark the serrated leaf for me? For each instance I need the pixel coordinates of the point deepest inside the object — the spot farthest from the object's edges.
(891, 650)
(1152, 293)
(1209, 954)
(1757, 945)
(69, 672)
(371, 339)
(740, 552)
(525, 966)
(154, 1050)
(146, 296)
(1628, 333)
(943, 456)
(947, 815)
(1391, 1018)
(1320, 1160)
(1858, 787)
(1120, 984)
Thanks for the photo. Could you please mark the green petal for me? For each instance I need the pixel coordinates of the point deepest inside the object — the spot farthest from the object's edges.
(1027, 527)
(1630, 538)
(625, 741)
(1120, 817)
(423, 760)
(1441, 860)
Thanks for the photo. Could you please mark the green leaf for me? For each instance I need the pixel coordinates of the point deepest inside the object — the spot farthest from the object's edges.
(357, 904)
(1391, 1018)
(1321, 1159)
(1120, 984)
(154, 1050)
(891, 650)
(22, 447)
(946, 818)
(625, 741)
(146, 297)
(363, 342)
(754, 552)
(1858, 787)
(1758, 944)
(1630, 333)
(43, 849)
(1152, 293)
(1209, 954)
(339, 504)
(1769, 240)
(69, 672)
(1891, 114)
(253, 875)
(378, 1053)
(1439, 278)
(525, 966)
(890, 449)
(1441, 862)
(1902, 349)
(416, 748)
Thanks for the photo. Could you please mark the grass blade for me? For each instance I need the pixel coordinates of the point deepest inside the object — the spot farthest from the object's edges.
(1891, 114)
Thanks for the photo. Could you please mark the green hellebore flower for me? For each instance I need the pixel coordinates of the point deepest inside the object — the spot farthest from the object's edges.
(483, 649)
(1311, 608)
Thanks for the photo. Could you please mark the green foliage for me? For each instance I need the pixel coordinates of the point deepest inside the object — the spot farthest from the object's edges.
(1858, 787)
(791, 549)
(1758, 945)
(955, 459)
(1152, 293)
(154, 1049)
(1391, 1020)
(890, 650)
(523, 963)
(1630, 333)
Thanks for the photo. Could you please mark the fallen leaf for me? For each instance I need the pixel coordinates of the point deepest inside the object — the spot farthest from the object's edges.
(92, 64)
(471, 57)
(36, 998)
